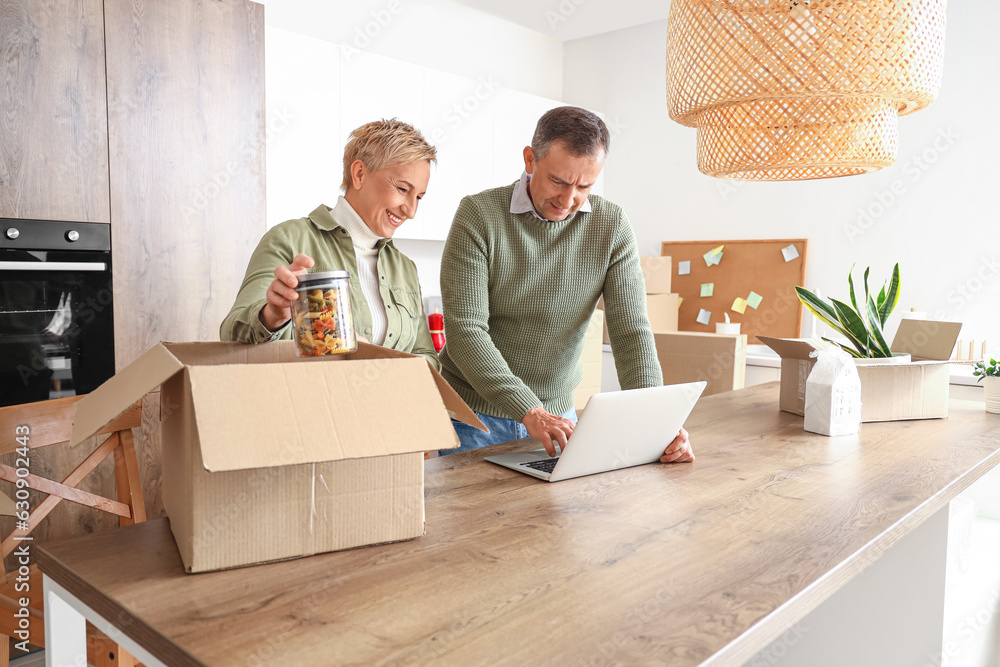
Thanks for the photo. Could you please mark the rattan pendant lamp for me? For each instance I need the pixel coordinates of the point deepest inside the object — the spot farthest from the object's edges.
(783, 90)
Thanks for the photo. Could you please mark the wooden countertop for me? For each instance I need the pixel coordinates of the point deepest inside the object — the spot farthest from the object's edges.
(674, 564)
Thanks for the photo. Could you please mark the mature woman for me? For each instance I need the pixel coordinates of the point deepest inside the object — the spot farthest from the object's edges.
(386, 169)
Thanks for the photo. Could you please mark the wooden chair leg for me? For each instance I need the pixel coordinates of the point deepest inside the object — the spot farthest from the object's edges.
(103, 652)
(127, 478)
(4, 651)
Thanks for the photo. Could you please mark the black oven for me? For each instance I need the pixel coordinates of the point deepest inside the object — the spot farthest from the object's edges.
(56, 315)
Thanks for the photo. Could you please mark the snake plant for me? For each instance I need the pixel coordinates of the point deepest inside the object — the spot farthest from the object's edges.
(862, 327)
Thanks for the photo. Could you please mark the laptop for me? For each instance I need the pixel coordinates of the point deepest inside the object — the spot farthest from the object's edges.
(618, 429)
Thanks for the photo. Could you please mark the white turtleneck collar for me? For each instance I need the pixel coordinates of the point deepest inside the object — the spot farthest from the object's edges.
(366, 252)
(361, 234)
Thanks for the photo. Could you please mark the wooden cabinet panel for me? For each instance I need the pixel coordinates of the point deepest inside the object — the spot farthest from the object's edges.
(53, 111)
(187, 131)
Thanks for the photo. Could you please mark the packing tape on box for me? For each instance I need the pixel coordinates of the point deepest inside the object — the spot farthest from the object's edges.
(312, 497)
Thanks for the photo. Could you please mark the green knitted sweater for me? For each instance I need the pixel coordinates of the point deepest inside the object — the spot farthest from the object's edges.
(518, 293)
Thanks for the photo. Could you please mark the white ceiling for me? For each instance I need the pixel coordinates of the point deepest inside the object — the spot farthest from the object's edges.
(574, 19)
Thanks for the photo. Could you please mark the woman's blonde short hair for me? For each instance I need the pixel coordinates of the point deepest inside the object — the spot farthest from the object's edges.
(383, 143)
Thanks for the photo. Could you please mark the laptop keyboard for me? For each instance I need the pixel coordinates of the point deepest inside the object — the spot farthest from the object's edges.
(545, 465)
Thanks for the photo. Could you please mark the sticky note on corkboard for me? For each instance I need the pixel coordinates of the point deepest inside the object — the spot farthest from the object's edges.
(770, 268)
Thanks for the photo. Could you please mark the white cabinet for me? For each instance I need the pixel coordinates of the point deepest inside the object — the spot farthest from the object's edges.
(303, 124)
(373, 87)
(317, 94)
(459, 122)
(517, 114)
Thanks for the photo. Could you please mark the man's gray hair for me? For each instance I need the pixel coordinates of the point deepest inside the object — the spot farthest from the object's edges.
(582, 131)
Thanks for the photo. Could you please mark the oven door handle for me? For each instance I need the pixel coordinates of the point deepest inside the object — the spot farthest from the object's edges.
(53, 266)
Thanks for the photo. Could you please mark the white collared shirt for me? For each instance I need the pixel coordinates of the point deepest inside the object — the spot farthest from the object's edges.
(520, 201)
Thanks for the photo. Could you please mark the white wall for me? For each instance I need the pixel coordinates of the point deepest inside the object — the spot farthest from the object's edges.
(433, 33)
(942, 228)
(441, 35)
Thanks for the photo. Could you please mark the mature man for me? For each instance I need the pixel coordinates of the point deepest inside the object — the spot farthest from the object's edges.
(522, 270)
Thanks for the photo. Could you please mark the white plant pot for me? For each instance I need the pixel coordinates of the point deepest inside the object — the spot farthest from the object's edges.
(991, 385)
(897, 359)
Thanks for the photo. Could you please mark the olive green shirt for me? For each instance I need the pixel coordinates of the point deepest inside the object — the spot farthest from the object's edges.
(329, 244)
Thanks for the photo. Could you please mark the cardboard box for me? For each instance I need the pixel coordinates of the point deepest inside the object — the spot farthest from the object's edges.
(656, 272)
(662, 310)
(268, 456)
(591, 357)
(889, 392)
(688, 356)
(661, 305)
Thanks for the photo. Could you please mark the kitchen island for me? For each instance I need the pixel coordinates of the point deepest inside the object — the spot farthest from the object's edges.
(775, 543)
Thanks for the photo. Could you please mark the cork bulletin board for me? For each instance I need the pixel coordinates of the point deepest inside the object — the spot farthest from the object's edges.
(753, 271)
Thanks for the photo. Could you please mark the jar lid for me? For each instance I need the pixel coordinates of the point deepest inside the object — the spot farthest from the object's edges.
(321, 278)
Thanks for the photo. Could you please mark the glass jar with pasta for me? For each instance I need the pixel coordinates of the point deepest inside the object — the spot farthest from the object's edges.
(322, 314)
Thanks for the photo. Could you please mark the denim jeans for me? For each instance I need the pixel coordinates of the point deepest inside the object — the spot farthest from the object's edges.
(501, 430)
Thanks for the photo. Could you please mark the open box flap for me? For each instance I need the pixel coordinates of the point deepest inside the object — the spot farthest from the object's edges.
(103, 405)
(285, 351)
(793, 348)
(926, 339)
(273, 415)
(217, 353)
(452, 401)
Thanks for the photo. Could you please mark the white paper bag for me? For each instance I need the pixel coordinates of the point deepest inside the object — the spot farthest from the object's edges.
(833, 394)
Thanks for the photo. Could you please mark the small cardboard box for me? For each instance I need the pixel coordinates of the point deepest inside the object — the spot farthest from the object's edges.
(591, 357)
(688, 356)
(656, 272)
(268, 456)
(889, 392)
(661, 305)
(662, 310)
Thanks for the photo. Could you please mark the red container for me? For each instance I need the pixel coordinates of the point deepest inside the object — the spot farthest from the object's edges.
(435, 322)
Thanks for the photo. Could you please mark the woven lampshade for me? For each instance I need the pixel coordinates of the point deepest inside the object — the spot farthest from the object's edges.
(791, 90)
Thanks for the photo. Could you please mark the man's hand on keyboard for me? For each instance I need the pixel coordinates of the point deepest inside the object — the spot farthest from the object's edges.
(679, 450)
(548, 429)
